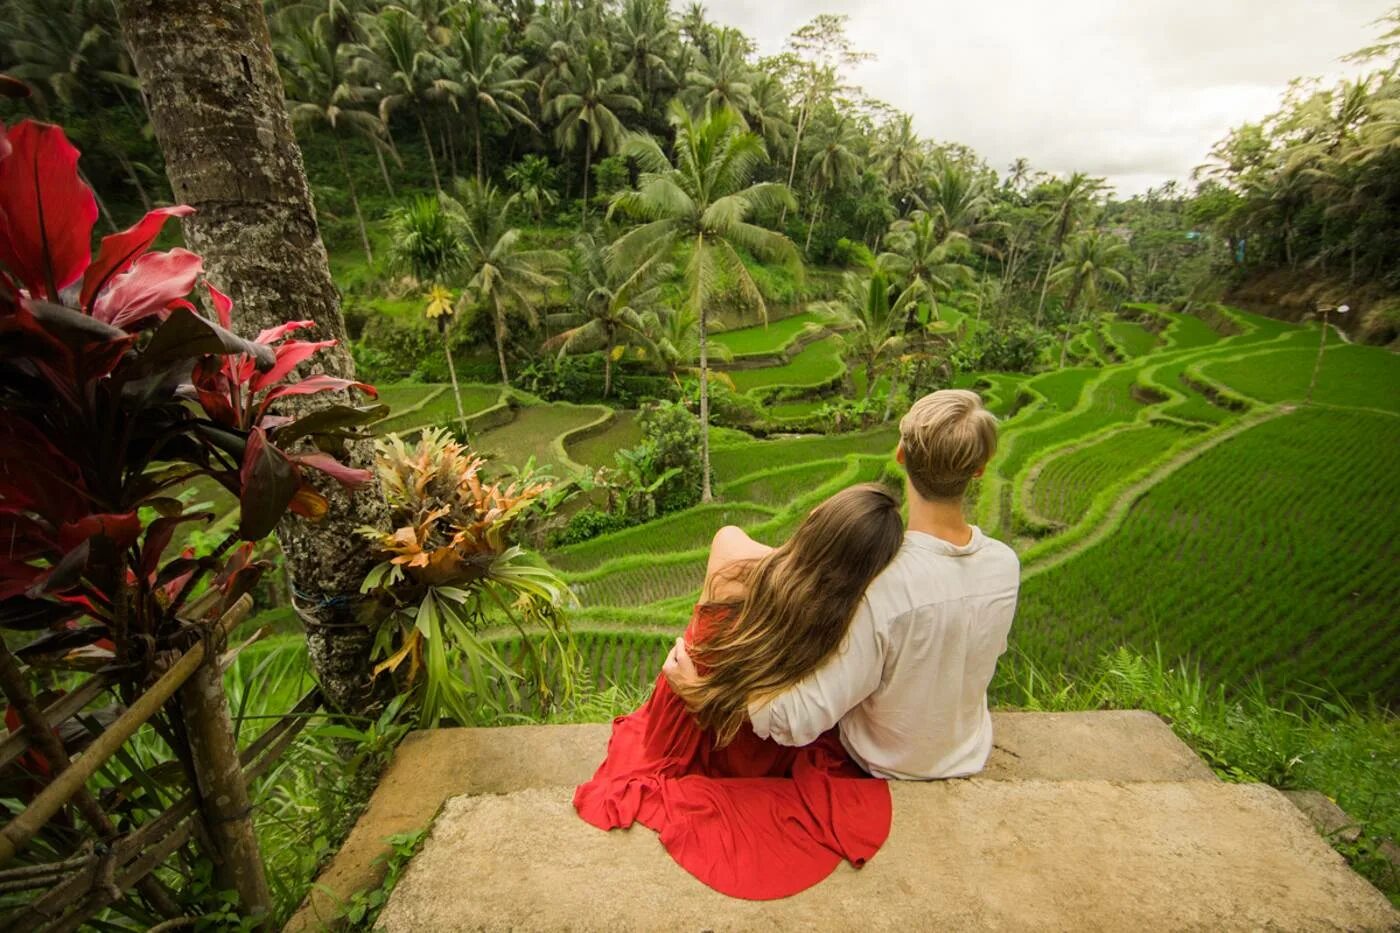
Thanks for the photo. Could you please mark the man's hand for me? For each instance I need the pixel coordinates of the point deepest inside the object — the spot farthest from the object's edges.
(679, 671)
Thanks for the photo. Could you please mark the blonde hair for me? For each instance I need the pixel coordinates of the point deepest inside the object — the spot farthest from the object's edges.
(947, 437)
(798, 604)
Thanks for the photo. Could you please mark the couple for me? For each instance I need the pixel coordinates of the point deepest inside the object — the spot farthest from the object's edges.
(856, 649)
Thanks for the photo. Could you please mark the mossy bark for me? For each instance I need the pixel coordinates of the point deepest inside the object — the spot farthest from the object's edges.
(215, 98)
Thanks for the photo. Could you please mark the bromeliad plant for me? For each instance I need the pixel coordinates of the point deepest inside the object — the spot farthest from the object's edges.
(115, 394)
(451, 570)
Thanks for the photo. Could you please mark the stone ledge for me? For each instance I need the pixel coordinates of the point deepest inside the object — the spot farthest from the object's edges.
(971, 854)
(433, 765)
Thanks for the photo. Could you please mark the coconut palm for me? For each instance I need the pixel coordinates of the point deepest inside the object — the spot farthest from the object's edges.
(959, 203)
(645, 38)
(501, 275)
(832, 165)
(321, 93)
(612, 304)
(901, 159)
(1018, 174)
(405, 64)
(722, 78)
(769, 114)
(586, 114)
(675, 333)
(1092, 260)
(925, 260)
(1069, 199)
(868, 311)
(489, 76)
(534, 180)
(705, 199)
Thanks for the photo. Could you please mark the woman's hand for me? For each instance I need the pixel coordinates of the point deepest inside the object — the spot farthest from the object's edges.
(679, 671)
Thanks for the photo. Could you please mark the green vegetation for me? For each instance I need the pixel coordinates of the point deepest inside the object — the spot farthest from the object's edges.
(1131, 339)
(815, 365)
(598, 450)
(536, 432)
(770, 338)
(1067, 483)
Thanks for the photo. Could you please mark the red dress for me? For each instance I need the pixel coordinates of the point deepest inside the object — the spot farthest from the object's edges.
(755, 819)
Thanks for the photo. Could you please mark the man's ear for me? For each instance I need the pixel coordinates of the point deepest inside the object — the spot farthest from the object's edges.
(977, 474)
(899, 453)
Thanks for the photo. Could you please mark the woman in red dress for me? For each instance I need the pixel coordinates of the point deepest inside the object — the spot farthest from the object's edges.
(749, 817)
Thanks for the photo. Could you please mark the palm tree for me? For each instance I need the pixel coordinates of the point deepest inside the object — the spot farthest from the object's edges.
(722, 77)
(769, 113)
(489, 76)
(958, 201)
(645, 38)
(901, 159)
(1092, 260)
(832, 165)
(533, 178)
(587, 112)
(613, 303)
(676, 335)
(924, 259)
(1069, 198)
(705, 199)
(321, 93)
(871, 320)
(403, 62)
(1018, 174)
(501, 275)
(425, 243)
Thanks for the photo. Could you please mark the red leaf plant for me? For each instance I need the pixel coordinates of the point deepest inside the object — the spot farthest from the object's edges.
(115, 394)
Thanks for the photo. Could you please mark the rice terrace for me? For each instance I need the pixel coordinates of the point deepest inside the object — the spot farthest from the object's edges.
(375, 378)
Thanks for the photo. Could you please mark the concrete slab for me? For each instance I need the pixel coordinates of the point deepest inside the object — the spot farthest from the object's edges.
(974, 854)
(431, 766)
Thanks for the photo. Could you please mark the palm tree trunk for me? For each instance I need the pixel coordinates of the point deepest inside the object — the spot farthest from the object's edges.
(500, 316)
(354, 198)
(449, 151)
(432, 160)
(215, 98)
(894, 390)
(607, 371)
(456, 390)
(811, 225)
(697, 299)
(1069, 324)
(1044, 287)
(796, 146)
(383, 169)
(476, 132)
(587, 163)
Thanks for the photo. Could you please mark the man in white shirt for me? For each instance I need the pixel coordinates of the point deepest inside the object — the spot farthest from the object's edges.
(908, 686)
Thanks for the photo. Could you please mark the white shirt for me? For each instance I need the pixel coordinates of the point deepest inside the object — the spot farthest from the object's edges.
(909, 682)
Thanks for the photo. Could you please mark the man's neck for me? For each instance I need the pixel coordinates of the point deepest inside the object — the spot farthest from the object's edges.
(942, 518)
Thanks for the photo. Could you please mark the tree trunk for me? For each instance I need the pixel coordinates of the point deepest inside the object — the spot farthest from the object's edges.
(432, 160)
(698, 298)
(383, 169)
(796, 146)
(500, 316)
(1069, 324)
(476, 132)
(607, 365)
(215, 97)
(587, 162)
(456, 392)
(354, 199)
(1044, 287)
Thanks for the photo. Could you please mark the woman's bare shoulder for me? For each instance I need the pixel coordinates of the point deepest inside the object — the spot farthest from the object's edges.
(731, 545)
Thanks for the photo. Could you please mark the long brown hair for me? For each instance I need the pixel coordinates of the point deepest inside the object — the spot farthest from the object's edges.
(798, 604)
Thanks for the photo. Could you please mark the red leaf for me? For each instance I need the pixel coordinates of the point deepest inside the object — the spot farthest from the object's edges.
(347, 476)
(269, 482)
(313, 384)
(215, 390)
(123, 530)
(289, 355)
(152, 284)
(271, 335)
(46, 212)
(120, 250)
(223, 305)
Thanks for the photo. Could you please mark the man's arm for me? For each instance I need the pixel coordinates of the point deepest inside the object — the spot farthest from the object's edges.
(801, 713)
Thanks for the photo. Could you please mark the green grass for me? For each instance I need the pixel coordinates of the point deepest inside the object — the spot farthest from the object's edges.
(769, 339)
(1063, 388)
(790, 410)
(1276, 555)
(782, 485)
(740, 460)
(1188, 332)
(680, 531)
(401, 395)
(1067, 483)
(817, 364)
(1131, 338)
(533, 432)
(441, 409)
(1363, 377)
(600, 449)
(1111, 402)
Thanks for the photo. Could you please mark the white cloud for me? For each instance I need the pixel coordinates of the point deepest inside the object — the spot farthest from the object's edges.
(1137, 91)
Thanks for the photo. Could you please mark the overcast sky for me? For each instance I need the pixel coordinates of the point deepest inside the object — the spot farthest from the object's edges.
(1135, 90)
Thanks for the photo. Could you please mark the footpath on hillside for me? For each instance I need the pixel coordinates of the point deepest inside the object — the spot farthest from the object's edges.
(1101, 821)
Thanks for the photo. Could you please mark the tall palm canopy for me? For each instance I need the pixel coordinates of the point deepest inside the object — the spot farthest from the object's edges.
(489, 76)
(1092, 261)
(703, 199)
(586, 113)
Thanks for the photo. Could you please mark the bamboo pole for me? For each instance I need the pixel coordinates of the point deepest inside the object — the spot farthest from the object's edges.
(69, 783)
(65, 706)
(224, 803)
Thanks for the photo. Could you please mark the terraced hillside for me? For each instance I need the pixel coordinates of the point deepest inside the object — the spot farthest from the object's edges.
(1172, 488)
(1180, 495)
